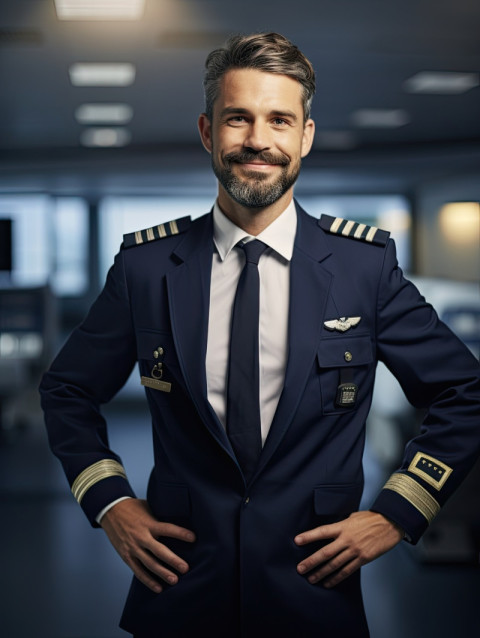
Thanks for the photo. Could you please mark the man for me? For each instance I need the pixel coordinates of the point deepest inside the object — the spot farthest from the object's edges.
(252, 529)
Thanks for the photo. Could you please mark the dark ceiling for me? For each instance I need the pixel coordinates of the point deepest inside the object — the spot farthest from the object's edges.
(363, 52)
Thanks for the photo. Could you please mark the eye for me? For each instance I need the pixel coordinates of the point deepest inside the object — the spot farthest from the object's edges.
(279, 121)
(236, 120)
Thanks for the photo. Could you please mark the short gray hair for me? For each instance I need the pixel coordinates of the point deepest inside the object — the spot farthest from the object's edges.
(269, 52)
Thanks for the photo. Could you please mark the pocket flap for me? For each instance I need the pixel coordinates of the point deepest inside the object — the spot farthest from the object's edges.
(338, 500)
(338, 352)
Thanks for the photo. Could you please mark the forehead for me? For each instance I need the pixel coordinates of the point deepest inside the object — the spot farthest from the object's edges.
(252, 89)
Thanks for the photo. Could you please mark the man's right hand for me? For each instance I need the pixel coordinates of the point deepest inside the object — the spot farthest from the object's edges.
(133, 531)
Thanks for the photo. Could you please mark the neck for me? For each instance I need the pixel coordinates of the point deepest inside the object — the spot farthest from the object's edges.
(252, 220)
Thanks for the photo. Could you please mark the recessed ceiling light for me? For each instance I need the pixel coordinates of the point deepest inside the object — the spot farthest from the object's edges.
(104, 113)
(380, 118)
(441, 82)
(99, 9)
(105, 137)
(102, 74)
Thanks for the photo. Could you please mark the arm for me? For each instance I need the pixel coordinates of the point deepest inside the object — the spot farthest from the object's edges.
(437, 373)
(90, 369)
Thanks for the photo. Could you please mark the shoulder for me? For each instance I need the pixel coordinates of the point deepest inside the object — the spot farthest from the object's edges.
(154, 233)
(353, 230)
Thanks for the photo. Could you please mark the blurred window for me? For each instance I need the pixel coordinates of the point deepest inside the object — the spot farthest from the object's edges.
(120, 215)
(389, 212)
(49, 242)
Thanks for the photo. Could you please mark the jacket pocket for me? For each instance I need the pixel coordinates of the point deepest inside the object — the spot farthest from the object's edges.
(333, 503)
(343, 359)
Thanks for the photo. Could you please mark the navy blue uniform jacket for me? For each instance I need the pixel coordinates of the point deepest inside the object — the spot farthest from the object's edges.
(243, 579)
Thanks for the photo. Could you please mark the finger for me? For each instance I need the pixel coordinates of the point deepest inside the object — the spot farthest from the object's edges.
(342, 574)
(165, 554)
(144, 576)
(335, 564)
(317, 534)
(323, 555)
(155, 567)
(174, 531)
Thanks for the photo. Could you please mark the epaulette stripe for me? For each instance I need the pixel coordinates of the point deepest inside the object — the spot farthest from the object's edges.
(336, 225)
(150, 235)
(174, 227)
(371, 234)
(161, 231)
(358, 232)
(347, 228)
(138, 237)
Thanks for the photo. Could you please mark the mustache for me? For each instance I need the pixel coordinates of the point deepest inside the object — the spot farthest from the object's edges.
(245, 157)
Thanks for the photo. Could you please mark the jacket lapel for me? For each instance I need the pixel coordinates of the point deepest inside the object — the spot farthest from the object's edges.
(188, 288)
(309, 289)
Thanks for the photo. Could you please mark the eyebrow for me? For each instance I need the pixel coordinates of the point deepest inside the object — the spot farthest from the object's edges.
(231, 110)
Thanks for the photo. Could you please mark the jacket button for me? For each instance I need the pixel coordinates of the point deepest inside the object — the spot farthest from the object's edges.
(348, 356)
(247, 500)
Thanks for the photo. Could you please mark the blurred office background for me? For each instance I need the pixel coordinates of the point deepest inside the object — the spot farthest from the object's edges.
(98, 138)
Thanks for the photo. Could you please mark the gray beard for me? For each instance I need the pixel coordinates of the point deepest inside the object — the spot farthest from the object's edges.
(255, 193)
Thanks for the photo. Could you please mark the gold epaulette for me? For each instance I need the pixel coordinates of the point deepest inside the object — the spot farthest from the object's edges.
(354, 230)
(160, 231)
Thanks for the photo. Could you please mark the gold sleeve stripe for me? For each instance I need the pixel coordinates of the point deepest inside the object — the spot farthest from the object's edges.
(93, 474)
(414, 493)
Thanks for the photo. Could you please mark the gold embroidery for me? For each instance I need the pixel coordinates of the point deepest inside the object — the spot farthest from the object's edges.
(93, 474)
(414, 493)
(431, 470)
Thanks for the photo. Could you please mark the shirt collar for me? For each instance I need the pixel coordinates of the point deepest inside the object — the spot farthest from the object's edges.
(279, 235)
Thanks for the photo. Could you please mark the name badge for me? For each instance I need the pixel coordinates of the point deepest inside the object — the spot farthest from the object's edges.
(156, 384)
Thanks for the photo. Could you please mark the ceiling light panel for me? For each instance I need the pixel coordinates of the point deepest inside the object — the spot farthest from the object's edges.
(380, 118)
(99, 9)
(105, 137)
(102, 74)
(441, 82)
(104, 113)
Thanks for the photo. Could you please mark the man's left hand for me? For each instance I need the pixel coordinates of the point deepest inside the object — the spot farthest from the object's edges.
(357, 540)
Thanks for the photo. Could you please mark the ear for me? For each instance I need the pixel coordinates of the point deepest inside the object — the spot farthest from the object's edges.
(205, 130)
(308, 135)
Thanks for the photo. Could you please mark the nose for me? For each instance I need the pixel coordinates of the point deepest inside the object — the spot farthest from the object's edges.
(258, 137)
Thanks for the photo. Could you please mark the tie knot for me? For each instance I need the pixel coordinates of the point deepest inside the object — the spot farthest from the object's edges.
(253, 250)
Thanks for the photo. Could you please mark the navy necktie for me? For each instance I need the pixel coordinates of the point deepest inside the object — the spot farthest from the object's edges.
(243, 400)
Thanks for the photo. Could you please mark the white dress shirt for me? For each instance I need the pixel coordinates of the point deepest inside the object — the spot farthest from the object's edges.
(274, 273)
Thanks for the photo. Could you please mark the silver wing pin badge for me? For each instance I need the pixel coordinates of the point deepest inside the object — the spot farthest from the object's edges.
(342, 324)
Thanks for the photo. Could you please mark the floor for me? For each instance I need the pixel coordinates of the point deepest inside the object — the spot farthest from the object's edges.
(61, 579)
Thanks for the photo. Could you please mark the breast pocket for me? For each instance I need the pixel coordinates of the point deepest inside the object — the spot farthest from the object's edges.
(344, 367)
